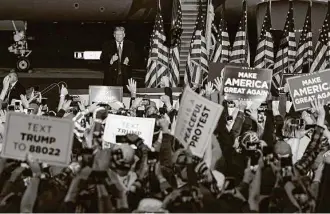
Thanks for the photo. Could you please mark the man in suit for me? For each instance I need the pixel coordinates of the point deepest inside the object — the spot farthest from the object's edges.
(11, 89)
(117, 58)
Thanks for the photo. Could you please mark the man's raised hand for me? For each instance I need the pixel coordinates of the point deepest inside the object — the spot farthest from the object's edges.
(64, 91)
(114, 58)
(131, 86)
(126, 61)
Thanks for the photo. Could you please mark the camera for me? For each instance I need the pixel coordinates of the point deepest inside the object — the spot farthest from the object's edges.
(140, 111)
(162, 111)
(268, 156)
(17, 105)
(286, 167)
(44, 101)
(11, 108)
(229, 183)
(253, 152)
(231, 104)
(298, 122)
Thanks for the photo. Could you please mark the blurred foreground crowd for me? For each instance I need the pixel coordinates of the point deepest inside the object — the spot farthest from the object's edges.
(265, 159)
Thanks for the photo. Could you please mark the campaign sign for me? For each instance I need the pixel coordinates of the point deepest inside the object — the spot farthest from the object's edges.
(286, 76)
(305, 89)
(121, 125)
(196, 121)
(48, 139)
(216, 69)
(105, 94)
(240, 83)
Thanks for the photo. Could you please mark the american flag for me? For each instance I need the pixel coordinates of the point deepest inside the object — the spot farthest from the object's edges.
(221, 49)
(286, 53)
(240, 52)
(321, 54)
(157, 65)
(197, 62)
(305, 47)
(265, 49)
(174, 73)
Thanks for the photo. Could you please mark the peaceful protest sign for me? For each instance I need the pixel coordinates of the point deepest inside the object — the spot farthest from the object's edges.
(241, 83)
(304, 89)
(48, 139)
(196, 121)
(105, 94)
(121, 125)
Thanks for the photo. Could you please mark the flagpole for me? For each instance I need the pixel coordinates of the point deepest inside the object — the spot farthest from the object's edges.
(309, 62)
(159, 11)
(208, 28)
(169, 67)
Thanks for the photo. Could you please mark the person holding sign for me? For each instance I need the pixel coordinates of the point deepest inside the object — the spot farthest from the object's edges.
(117, 58)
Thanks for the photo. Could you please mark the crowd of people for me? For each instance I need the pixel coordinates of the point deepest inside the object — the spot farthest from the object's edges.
(266, 159)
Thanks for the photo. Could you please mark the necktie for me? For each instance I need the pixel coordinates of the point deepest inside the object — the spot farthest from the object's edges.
(119, 62)
(8, 92)
(119, 51)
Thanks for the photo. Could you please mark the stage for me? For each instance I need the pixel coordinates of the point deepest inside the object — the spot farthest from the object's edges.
(76, 79)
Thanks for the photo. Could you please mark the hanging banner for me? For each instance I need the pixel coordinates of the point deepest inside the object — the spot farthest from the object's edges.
(305, 89)
(241, 83)
(196, 121)
(48, 139)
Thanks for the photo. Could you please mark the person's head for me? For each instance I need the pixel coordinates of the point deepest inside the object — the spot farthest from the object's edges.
(12, 77)
(122, 158)
(249, 140)
(151, 110)
(282, 148)
(119, 34)
(181, 159)
(150, 205)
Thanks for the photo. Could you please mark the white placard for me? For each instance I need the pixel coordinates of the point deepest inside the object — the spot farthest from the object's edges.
(121, 125)
(48, 139)
(196, 121)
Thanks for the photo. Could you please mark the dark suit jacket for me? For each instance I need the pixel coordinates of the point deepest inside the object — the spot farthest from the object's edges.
(111, 77)
(16, 92)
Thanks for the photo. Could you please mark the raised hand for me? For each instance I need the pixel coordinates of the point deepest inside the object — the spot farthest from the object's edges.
(166, 100)
(81, 106)
(66, 105)
(92, 107)
(136, 103)
(24, 100)
(218, 84)
(3, 116)
(34, 164)
(318, 107)
(164, 124)
(126, 61)
(253, 114)
(114, 59)
(6, 82)
(64, 91)
(242, 105)
(131, 86)
(209, 89)
(164, 82)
